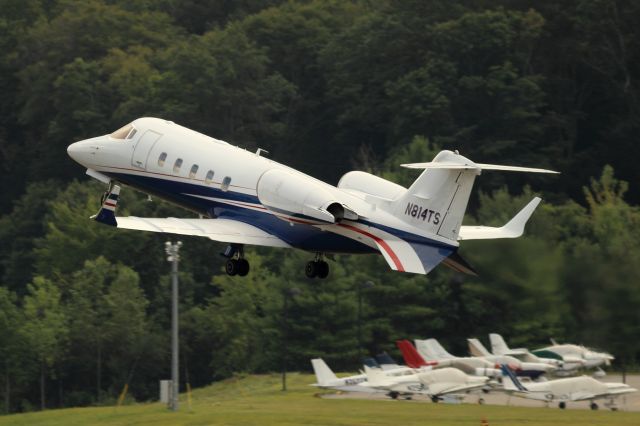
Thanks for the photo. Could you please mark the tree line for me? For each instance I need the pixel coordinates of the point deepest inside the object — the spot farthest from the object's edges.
(326, 87)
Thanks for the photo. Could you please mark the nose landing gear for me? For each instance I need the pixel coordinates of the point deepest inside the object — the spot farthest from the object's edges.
(317, 268)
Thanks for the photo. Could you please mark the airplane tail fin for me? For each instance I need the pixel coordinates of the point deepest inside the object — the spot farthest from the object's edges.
(510, 381)
(498, 345)
(324, 375)
(385, 359)
(370, 362)
(107, 212)
(437, 199)
(411, 357)
(476, 348)
(432, 349)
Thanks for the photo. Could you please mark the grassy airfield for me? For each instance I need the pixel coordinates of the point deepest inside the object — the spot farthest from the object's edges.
(258, 400)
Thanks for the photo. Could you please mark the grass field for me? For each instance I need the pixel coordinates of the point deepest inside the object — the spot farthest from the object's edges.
(258, 400)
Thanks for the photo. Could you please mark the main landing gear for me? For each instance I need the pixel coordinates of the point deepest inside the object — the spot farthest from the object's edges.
(317, 268)
(236, 263)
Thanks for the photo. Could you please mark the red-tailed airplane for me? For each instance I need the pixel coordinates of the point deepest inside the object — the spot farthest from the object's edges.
(244, 198)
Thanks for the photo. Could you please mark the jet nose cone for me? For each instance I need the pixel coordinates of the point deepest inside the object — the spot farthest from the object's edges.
(73, 150)
(84, 152)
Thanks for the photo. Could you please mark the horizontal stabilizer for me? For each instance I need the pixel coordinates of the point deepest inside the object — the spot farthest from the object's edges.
(474, 166)
(513, 229)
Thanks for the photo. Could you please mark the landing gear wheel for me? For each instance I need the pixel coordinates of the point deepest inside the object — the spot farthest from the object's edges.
(311, 269)
(435, 399)
(481, 401)
(243, 267)
(232, 267)
(593, 406)
(322, 269)
(562, 405)
(393, 395)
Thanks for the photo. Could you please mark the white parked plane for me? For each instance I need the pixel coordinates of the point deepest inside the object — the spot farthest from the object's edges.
(583, 388)
(524, 368)
(434, 383)
(245, 198)
(327, 379)
(565, 365)
(590, 358)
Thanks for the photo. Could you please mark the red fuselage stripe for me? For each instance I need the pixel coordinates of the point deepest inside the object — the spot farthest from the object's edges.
(381, 242)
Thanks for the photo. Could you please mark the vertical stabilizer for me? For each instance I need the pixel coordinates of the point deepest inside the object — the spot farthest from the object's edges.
(324, 375)
(432, 349)
(498, 345)
(476, 348)
(437, 200)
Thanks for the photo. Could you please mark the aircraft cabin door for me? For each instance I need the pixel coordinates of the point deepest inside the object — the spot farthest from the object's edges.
(143, 148)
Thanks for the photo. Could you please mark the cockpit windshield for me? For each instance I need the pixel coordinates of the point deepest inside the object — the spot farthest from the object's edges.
(125, 132)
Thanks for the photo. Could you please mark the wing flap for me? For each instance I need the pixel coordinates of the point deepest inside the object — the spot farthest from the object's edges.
(224, 230)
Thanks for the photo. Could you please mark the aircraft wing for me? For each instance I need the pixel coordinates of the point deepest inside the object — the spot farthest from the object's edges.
(224, 230)
(513, 229)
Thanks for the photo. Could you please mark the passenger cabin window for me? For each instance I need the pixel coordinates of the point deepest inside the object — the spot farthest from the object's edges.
(225, 183)
(125, 132)
(209, 177)
(193, 171)
(161, 159)
(177, 165)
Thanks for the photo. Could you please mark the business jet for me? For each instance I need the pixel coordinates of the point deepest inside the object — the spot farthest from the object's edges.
(583, 388)
(244, 198)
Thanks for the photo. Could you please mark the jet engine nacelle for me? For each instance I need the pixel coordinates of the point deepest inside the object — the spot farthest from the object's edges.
(296, 195)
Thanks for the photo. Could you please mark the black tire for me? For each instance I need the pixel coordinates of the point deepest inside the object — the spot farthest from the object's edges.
(231, 267)
(562, 405)
(311, 269)
(394, 395)
(322, 269)
(593, 406)
(243, 267)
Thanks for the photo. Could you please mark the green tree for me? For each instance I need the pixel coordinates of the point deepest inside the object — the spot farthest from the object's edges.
(45, 328)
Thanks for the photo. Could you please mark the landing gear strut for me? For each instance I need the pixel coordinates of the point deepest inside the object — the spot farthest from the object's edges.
(317, 268)
(236, 263)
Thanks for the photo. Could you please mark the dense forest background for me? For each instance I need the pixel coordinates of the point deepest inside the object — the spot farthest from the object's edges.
(326, 87)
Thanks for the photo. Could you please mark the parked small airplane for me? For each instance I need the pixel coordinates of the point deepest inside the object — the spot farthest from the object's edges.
(565, 365)
(434, 383)
(583, 388)
(472, 366)
(590, 358)
(244, 198)
(327, 379)
(528, 369)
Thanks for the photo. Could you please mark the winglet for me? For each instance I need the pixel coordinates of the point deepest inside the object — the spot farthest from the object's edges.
(513, 229)
(107, 212)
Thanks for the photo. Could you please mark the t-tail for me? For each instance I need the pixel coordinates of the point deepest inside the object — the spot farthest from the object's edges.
(434, 205)
(513, 383)
(324, 375)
